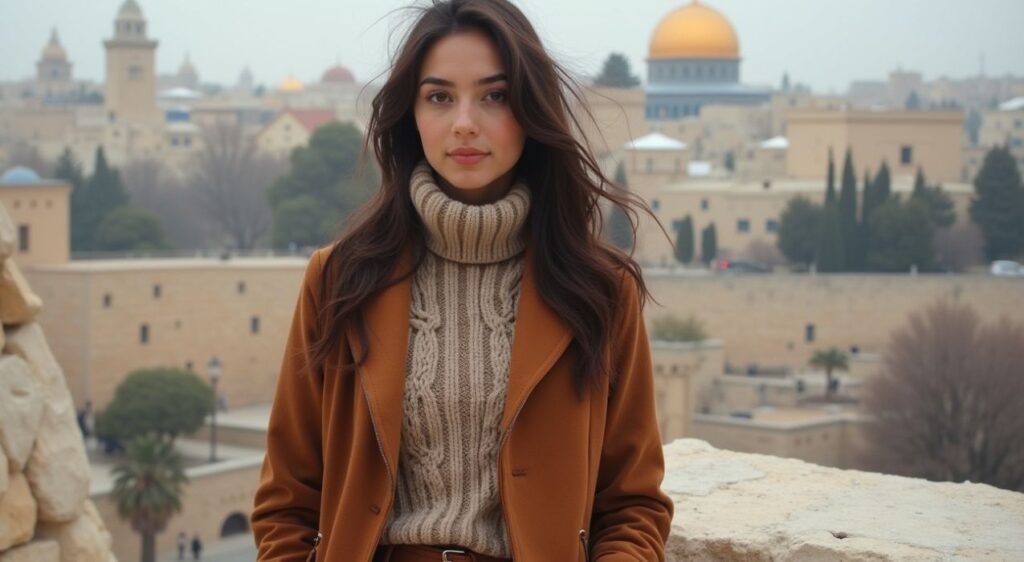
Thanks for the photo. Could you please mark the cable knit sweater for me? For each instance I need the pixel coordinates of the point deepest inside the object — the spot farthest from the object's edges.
(464, 299)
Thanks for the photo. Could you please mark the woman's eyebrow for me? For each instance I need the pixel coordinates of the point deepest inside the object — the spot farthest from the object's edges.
(448, 83)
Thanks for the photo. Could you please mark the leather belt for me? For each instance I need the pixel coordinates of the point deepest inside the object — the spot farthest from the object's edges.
(427, 553)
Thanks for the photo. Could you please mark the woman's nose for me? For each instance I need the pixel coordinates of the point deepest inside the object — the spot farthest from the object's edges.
(465, 120)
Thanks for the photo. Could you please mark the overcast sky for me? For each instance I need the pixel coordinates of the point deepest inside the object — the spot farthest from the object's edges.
(823, 43)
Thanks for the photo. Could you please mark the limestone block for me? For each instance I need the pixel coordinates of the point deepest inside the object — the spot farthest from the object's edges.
(18, 304)
(739, 506)
(35, 551)
(17, 513)
(21, 409)
(57, 468)
(5, 478)
(84, 539)
(8, 238)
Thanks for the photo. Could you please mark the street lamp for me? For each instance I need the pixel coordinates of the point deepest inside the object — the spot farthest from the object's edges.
(214, 368)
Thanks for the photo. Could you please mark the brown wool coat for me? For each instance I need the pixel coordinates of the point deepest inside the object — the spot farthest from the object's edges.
(579, 479)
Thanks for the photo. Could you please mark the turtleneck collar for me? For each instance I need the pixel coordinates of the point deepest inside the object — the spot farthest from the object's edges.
(465, 233)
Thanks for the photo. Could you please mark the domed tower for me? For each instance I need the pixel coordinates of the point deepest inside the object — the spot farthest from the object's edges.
(130, 93)
(53, 71)
(693, 60)
(187, 75)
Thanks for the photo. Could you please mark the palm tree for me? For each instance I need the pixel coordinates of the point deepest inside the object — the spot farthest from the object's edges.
(148, 488)
(829, 359)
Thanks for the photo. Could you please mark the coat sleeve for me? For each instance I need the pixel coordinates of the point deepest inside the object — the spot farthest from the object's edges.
(286, 509)
(632, 516)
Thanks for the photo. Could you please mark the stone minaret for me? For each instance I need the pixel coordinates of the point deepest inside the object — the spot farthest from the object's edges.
(131, 69)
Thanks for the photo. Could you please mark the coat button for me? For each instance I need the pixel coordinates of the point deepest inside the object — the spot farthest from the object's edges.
(375, 509)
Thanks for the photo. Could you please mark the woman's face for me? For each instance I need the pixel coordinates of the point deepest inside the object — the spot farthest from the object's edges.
(469, 134)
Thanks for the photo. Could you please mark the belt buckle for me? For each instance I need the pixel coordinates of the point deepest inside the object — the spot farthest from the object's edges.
(445, 553)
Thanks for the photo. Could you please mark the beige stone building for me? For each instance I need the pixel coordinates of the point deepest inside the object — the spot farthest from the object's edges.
(292, 128)
(109, 317)
(745, 213)
(906, 140)
(1002, 126)
(40, 213)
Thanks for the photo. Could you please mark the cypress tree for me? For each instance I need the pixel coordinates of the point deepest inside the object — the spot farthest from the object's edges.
(831, 252)
(848, 214)
(939, 204)
(998, 207)
(708, 244)
(883, 185)
(862, 225)
(620, 230)
(101, 194)
(684, 241)
(830, 185)
(70, 170)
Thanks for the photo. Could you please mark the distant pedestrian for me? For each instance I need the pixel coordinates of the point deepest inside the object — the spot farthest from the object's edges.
(182, 544)
(197, 547)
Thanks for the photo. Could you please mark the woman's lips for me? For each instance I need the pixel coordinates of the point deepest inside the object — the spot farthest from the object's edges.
(468, 159)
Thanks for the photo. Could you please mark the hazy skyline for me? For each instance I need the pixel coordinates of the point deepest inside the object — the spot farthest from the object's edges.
(823, 43)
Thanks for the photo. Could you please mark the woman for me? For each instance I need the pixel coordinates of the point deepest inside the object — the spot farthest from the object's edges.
(467, 375)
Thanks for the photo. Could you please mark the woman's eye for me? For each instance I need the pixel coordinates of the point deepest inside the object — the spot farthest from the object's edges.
(433, 96)
(497, 95)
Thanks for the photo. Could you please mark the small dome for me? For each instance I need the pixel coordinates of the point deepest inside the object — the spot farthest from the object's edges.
(338, 73)
(694, 31)
(130, 11)
(20, 175)
(291, 85)
(53, 50)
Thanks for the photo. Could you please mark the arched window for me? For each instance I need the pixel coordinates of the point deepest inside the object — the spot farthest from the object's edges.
(235, 524)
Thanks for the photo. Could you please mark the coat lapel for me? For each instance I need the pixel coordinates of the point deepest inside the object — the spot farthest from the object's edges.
(540, 337)
(383, 373)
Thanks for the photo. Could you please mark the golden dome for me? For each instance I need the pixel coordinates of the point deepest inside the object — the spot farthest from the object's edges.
(694, 31)
(291, 85)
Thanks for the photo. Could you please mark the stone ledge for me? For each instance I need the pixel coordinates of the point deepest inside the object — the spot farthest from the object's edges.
(750, 507)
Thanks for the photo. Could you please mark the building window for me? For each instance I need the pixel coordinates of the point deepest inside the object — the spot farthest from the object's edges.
(704, 204)
(649, 165)
(742, 225)
(254, 325)
(241, 287)
(809, 333)
(677, 225)
(906, 154)
(771, 225)
(679, 165)
(23, 242)
(144, 334)
(107, 299)
(135, 72)
(188, 365)
(156, 291)
(655, 204)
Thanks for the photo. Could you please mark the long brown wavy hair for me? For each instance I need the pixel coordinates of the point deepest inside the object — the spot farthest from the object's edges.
(578, 273)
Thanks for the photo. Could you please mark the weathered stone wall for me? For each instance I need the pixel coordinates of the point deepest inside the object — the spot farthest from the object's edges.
(45, 513)
(753, 508)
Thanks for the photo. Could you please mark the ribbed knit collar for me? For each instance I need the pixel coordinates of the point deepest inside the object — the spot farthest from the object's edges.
(465, 233)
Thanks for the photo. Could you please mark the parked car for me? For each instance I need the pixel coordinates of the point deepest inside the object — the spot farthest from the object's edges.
(1007, 268)
(740, 266)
